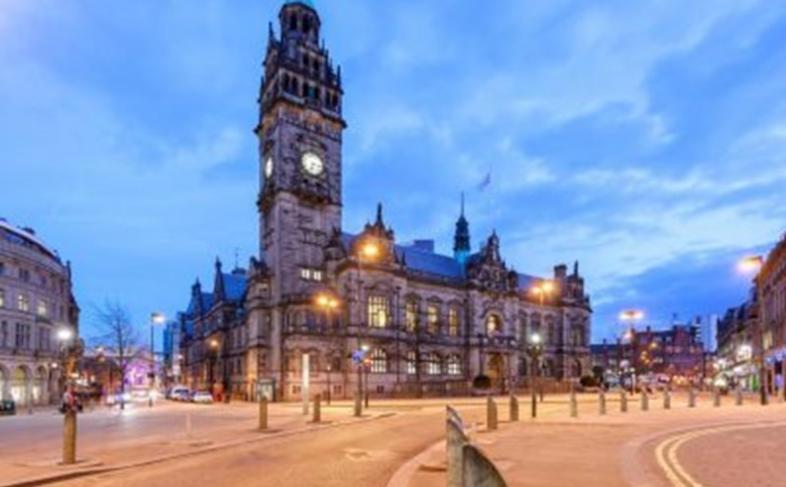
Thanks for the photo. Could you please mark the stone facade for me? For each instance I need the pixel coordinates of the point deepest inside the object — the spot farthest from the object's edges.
(769, 341)
(424, 323)
(35, 302)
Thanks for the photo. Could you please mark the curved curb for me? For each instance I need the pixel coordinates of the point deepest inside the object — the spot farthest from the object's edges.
(61, 476)
(405, 472)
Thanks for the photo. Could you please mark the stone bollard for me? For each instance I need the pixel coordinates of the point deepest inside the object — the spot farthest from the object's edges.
(645, 400)
(478, 470)
(455, 438)
(738, 398)
(691, 397)
(623, 402)
(358, 405)
(317, 417)
(69, 437)
(514, 408)
(188, 425)
(491, 414)
(602, 402)
(666, 399)
(262, 414)
(716, 398)
(574, 405)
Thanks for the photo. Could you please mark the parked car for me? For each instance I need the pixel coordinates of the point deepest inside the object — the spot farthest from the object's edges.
(202, 397)
(179, 393)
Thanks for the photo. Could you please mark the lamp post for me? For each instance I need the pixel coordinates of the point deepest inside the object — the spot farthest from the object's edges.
(534, 350)
(370, 250)
(630, 317)
(156, 318)
(328, 304)
(212, 363)
(70, 349)
(542, 291)
(753, 264)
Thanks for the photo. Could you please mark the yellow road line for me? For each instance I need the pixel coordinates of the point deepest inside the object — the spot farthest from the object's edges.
(666, 451)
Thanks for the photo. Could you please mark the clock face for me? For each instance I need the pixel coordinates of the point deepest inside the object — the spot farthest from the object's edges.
(312, 163)
(269, 167)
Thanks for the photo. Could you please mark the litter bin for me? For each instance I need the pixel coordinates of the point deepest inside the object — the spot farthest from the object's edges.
(7, 408)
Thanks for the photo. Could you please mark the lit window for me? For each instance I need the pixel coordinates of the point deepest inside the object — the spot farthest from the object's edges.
(493, 325)
(411, 316)
(433, 365)
(453, 322)
(305, 273)
(454, 365)
(42, 309)
(23, 303)
(379, 361)
(412, 363)
(432, 318)
(2, 298)
(316, 275)
(378, 311)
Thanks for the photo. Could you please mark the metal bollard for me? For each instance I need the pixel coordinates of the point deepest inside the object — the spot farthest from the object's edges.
(358, 405)
(691, 397)
(645, 400)
(514, 408)
(602, 402)
(491, 414)
(262, 413)
(738, 398)
(623, 402)
(666, 399)
(716, 399)
(69, 437)
(317, 418)
(574, 406)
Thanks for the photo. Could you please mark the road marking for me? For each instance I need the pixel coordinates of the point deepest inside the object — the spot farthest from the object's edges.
(666, 451)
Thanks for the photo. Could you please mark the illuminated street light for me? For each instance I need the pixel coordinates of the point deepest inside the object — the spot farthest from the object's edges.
(65, 334)
(370, 250)
(543, 289)
(750, 264)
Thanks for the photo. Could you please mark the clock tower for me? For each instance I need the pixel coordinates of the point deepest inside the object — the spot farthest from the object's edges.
(300, 133)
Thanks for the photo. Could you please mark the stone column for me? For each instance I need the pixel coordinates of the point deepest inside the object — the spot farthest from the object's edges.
(666, 398)
(716, 398)
(739, 396)
(691, 397)
(514, 408)
(602, 402)
(645, 400)
(262, 413)
(574, 406)
(623, 402)
(317, 418)
(69, 437)
(491, 414)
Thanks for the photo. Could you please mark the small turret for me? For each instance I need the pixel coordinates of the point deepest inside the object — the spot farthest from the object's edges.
(461, 239)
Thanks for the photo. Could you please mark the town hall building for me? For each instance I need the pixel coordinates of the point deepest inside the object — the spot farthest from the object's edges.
(368, 312)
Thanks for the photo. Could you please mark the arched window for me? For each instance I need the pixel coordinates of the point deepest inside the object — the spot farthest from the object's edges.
(411, 316)
(412, 362)
(454, 321)
(432, 318)
(493, 325)
(379, 361)
(378, 311)
(454, 364)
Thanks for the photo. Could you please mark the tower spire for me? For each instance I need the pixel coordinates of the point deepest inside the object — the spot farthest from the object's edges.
(461, 241)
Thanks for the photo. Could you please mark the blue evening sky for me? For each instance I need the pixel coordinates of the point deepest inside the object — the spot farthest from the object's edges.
(645, 139)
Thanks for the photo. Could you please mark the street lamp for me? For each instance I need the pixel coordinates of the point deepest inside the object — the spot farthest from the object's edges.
(328, 304)
(156, 318)
(534, 350)
(630, 317)
(752, 265)
(213, 344)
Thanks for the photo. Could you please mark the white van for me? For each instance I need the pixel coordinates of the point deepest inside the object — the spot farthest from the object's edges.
(179, 393)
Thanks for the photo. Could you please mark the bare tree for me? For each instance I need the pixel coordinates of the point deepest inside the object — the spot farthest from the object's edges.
(118, 334)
